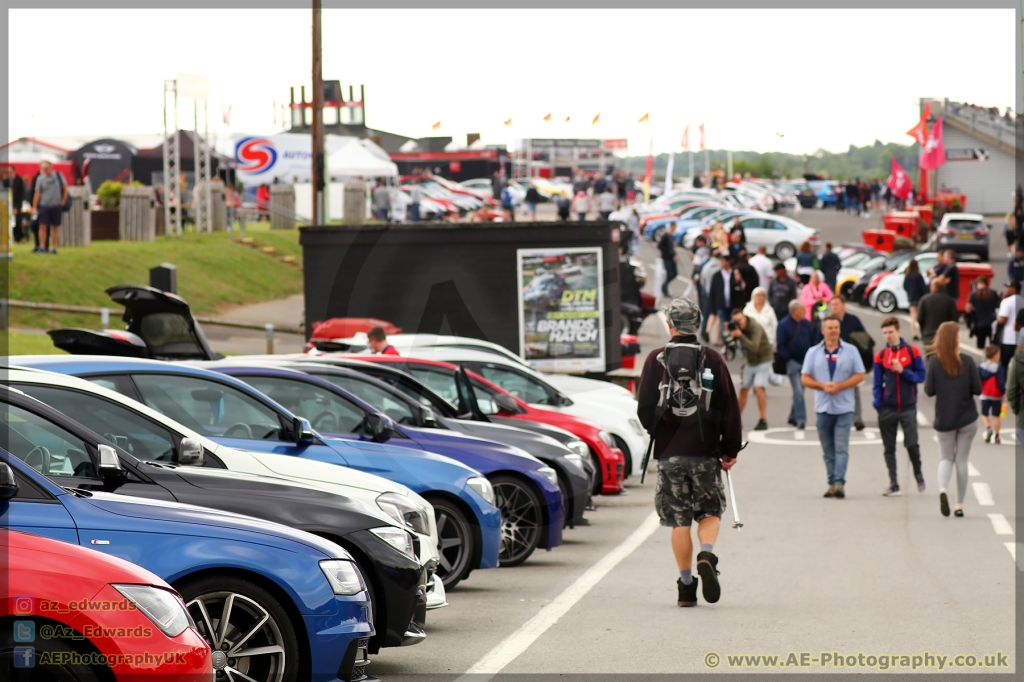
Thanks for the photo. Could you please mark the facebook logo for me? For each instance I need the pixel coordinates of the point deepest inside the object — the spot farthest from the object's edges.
(24, 631)
(24, 657)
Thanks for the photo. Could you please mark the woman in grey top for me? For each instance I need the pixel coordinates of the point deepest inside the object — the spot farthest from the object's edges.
(953, 378)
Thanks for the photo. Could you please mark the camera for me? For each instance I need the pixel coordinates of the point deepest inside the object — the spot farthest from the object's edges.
(731, 326)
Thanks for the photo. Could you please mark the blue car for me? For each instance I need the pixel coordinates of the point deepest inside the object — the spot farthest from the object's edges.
(233, 413)
(273, 602)
(525, 489)
(825, 190)
(655, 228)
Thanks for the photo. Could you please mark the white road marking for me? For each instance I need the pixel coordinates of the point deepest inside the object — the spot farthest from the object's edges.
(520, 640)
(799, 435)
(771, 437)
(971, 349)
(923, 420)
(1000, 525)
(984, 494)
(972, 470)
(869, 434)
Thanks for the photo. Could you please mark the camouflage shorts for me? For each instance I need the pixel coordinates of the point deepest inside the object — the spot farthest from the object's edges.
(688, 488)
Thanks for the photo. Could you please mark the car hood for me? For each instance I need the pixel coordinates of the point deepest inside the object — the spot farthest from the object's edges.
(447, 441)
(202, 521)
(537, 444)
(322, 472)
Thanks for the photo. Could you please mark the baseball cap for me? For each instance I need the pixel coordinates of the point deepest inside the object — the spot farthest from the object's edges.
(684, 315)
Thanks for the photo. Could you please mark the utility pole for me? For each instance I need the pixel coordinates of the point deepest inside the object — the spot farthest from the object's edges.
(317, 174)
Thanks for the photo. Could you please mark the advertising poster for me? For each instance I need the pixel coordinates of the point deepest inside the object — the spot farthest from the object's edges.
(561, 309)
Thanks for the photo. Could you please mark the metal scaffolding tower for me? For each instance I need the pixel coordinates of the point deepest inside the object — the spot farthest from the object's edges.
(172, 161)
(202, 197)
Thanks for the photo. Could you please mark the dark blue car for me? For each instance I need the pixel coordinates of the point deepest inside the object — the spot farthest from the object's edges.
(525, 489)
(274, 602)
(231, 412)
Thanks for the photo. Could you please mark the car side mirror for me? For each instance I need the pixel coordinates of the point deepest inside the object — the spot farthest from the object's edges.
(191, 453)
(110, 465)
(427, 417)
(303, 431)
(506, 403)
(380, 428)
(8, 483)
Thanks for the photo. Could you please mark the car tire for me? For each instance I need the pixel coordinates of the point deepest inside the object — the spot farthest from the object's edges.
(597, 482)
(984, 255)
(820, 203)
(457, 543)
(63, 649)
(522, 518)
(885, 302)
(627, 466)
(846, 289)
(250, 607)
(784, 250)
(563, 488)
(658, 232)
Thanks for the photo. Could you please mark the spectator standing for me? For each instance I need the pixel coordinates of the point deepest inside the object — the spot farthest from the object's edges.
(630, 185)
(497, 184)
(1006, 315)
(794, 337)
(606, 202)
(49, 194)
(701, 252)
(1009, 233)
(806, 262)
(581, 205)
(936, 308)
(993, 388)
(508, 203)
(263, 202)
(706, 280)
(914, 285)
(781, 291)
(377, 340)
(832, 368)
(600, 185)
(1018, 218)
(982, 305)
(814, 293)
(667, 249)
(953, 380)
(898, 369)
(721, 292)
(852, 331)
(532, 199)
(690, 452)
(14, 183)
(762, 313)
(564, 206)
(1015, 266)
(830, 266)
(744, 281)
(1015, 391)
(758, 365)
(382, 201)
(948, 273)
(762, 264)
(415, 199)
(738, 231)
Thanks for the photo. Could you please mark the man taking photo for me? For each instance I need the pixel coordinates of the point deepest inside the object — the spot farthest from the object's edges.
(696, 432)
(758, 367)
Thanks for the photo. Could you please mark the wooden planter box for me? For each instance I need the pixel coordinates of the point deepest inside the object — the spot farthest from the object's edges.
(105, 224)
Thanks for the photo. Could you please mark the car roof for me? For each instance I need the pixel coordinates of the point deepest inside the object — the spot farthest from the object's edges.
(963, 216)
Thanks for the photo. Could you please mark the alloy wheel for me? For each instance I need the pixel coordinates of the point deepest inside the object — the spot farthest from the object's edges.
(454, 542)
(521, 520)
(886, 302)
(784, 251)
(246, 640)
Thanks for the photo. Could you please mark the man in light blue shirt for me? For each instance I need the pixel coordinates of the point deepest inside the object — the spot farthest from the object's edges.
(833, 368)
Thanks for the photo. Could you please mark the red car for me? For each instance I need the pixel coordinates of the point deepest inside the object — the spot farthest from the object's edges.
(440, 376)
(78, 614)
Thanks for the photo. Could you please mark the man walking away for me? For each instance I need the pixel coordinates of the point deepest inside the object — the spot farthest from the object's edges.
(982, 305)
(937, 307)
(564, 206)
(794, 336)
(762, 265)
(758, 365)
(744, 281)
(993, 387)
(898, 369)
(1015, 391)
(532, 199)
(948, 273)
(415, 197)
(852, 331)
(581, 205)
(14, 183)
(49, 196)
(832, 368)
(1015, 266)
(830, 266)
(667, 249)
(606, 202)
(695, 433)
(508, 203)
(377, 340)
(382, 202)
(721, 292)
(1007, 314)
(781, 291)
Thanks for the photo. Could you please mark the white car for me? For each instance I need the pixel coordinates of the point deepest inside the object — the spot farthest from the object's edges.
(380, 497)
(780, 234)
(890, 295)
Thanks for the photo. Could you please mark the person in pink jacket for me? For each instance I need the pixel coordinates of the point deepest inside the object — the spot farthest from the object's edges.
(814, 293)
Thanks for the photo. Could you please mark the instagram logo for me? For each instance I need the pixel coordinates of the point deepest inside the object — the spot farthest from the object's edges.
(23, 605)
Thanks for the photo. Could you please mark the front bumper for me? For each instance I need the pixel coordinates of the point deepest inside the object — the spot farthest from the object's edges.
(338, 641)
(579, 489)
(963, 245)
(436, 596)
(488, 520)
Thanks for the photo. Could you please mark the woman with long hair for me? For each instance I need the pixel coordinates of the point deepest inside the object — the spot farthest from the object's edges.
(916, 288)
(953, 379)
(806, 262)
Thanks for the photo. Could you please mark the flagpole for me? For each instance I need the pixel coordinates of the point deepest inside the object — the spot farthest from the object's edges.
(691, 167)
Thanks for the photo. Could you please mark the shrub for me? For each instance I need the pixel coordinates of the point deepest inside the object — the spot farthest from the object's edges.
(110, 194)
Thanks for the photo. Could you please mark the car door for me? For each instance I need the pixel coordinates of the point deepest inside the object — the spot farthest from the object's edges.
(34, 510)
(521, 385)
(754, 229)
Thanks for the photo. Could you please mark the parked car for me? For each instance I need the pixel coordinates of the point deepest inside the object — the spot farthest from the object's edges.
(861, 289)
(167, 462)
(889, 294)
(824, 191)
(36, 571)
(525, 489)
(687, 232)
(963, 233)
(232, 413)
(780, 234)
(281, 604)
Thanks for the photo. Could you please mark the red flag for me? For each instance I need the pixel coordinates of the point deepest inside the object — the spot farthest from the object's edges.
(920, 131)
(898, 181)
(934, 153)
(686, 138)
(596, 119)
(701, 128)
(566, 119)
(645, 118)
(508, 122)
(548, 117)
(436, 126)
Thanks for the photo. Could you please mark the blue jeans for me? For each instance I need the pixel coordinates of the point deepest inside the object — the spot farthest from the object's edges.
(414, 212)
(671, 272)
(798, 411)
(834, 434)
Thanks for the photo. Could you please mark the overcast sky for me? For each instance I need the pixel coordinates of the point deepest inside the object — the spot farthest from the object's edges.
(820, 78)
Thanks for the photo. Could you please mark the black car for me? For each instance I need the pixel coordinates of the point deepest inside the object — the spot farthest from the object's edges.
(397, 581)
(860, 292)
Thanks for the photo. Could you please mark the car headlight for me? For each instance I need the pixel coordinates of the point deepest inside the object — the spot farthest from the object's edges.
(482, 487)
(343, 575)
(576, 460)
(579, 447)
(397, 538)
(607, 438)
(406, 512)
(635, 425)
(550, 474)
(164, 608)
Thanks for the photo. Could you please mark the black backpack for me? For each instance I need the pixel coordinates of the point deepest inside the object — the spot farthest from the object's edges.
(683, 397)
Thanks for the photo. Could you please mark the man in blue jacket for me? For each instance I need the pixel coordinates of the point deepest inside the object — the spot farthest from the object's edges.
(899, 368)
(793, 337)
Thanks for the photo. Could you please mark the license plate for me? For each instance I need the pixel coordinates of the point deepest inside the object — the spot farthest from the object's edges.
(965, 236)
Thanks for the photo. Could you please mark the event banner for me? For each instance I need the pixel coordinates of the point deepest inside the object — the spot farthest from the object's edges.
(561, 309)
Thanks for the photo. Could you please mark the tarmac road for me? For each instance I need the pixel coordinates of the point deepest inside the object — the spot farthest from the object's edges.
(868, 574)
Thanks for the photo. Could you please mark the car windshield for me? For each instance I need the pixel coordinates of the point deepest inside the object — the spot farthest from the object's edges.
(49, 449)
(325, 410)
(394, 406)
(964, 225)
(897, 258)
(169, 335)
(525, 388)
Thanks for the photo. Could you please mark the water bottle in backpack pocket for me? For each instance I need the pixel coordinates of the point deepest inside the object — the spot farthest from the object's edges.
(686, 394)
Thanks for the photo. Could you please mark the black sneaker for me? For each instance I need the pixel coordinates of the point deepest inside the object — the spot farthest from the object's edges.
(840, 494)
(831, 492)
(687, 593)
(707, 568)
(791, 422)
(943, 504)
(858, 425)
(801, 426)
(920, 483)
(892, 491)
(762, 425)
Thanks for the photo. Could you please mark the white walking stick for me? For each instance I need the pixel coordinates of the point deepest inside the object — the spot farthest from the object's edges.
(736, 523)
